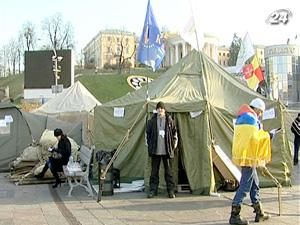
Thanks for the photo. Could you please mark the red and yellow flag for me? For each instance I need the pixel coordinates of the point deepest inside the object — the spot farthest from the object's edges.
(253, 73)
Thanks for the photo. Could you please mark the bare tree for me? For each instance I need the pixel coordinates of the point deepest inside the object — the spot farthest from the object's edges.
(60, 34)
(13, 55)
(120, 48)
(29, 35)
(5, 60)
(2, 68)
(20, 50)
(123, 58)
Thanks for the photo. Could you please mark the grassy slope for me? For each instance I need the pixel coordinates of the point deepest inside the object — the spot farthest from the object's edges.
(105, 87)
(15, 83)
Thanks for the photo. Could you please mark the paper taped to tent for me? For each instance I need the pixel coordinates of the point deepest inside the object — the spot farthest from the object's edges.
(203, 99)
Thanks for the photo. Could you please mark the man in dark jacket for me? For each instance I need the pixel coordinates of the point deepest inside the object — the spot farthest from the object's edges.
(60, 156)
(162, 141)
(296, 130)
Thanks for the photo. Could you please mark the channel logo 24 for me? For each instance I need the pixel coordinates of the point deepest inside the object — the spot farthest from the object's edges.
(280, 16)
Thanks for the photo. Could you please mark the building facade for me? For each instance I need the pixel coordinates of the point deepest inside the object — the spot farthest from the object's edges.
(223, 55)
(176, 48)
(106, 48)
(282, 69)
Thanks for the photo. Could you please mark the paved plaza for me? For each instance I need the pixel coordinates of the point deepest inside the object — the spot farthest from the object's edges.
(39, 204)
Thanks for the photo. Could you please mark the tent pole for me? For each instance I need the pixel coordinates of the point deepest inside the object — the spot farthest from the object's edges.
(118, 150)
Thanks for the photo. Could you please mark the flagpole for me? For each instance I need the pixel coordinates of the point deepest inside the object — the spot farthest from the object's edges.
(147, 91)
(150, 50)
(193, 17)
(148, 8)
(212, 139)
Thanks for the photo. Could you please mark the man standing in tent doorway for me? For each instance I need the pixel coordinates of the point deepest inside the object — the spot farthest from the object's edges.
(162, 141)
(296, 131)
(251, 148)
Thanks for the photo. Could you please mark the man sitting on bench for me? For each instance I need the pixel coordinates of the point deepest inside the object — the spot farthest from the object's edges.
(59, 157)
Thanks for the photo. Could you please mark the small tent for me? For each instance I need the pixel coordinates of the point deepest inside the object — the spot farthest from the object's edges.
(20, 129)
(15, 134)
(73, 99)
(203, 98)
(72, 105)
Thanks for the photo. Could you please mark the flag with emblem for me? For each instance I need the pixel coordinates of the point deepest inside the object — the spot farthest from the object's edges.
(253, 73)
(151, 47)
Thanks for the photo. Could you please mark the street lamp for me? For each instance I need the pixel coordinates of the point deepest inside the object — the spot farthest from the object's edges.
(56, 68)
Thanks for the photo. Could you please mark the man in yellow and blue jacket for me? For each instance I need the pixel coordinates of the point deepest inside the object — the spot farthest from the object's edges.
(251, 148)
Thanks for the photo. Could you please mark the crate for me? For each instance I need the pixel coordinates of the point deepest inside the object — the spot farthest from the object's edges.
(183, 188)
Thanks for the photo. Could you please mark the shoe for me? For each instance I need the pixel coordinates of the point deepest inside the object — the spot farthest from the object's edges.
(152, 194)
(295, 163)
(56, 185)
(260, 215)
(235, 218)
(39, 176)
(171, 195)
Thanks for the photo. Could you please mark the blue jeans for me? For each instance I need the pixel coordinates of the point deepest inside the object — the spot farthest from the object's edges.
(249, 183)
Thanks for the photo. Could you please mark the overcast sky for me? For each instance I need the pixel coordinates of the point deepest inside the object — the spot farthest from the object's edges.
(220, 18)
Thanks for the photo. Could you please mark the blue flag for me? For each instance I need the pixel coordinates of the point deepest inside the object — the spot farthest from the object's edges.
(151, 47)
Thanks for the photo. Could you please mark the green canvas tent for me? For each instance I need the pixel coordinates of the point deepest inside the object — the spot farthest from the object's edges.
(204, 99)
(15, 134)
(19, 129)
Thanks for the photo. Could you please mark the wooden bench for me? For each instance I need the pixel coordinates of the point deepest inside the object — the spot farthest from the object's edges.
(78, 175)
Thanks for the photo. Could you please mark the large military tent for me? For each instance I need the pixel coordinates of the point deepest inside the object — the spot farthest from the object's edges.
(15, 134)
(203, 98)
(72, 105)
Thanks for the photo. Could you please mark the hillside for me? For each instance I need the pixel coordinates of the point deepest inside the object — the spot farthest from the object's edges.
(104, 86)
(15, 84)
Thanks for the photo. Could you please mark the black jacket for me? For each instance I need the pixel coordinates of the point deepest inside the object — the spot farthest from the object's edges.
(170, 135)
(64, 148)
(296, 129)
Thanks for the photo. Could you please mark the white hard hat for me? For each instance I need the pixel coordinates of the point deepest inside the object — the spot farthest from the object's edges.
(258, 103)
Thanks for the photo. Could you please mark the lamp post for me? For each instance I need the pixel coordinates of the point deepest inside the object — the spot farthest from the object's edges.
(56, 69)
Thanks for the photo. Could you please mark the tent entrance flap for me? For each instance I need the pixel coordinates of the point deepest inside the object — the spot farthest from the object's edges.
(183, 183)
(230, 173)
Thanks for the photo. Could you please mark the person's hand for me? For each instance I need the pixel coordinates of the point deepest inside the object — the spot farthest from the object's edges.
(271, 135)
(273, 132)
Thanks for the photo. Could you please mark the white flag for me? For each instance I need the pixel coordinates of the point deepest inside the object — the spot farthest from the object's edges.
(246, 51)
(192, 32)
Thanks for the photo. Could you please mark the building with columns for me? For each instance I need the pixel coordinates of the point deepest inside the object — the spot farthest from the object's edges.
(176, 48)
(223, 55)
